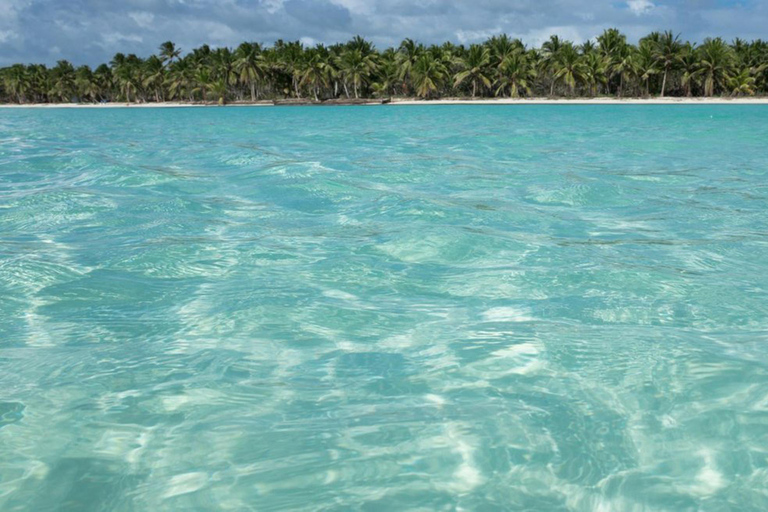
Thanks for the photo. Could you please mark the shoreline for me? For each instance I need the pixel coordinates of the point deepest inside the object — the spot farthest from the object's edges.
(413, 101)
(586, 101)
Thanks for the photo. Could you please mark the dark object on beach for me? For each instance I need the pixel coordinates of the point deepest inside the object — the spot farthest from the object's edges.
(353, 101)
(294, 102)
(337, 101)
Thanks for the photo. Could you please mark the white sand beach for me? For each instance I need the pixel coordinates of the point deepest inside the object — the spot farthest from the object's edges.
(444, 101)
(168, 104)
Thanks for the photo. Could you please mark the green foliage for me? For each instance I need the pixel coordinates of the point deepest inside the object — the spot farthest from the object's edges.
(475, 68)
(660, 64)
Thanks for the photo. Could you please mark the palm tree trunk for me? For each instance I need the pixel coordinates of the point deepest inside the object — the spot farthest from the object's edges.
(664, 82)
(474, 88)
(552, 88)
(356, 93)
(346, 89)
(253, 90)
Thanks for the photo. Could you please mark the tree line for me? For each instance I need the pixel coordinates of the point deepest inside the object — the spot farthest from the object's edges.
(661, 64)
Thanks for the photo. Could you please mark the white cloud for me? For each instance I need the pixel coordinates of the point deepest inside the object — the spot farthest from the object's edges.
(29, 29)
(471, 36)
(640, 7)
(537, 37)
(359, 7)
(111, 38)
(307, 41)
(10, 9)
(142, 19)
(273, 6)
(7, 35)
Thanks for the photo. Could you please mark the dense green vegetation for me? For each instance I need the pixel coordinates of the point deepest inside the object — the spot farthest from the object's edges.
(659, 65)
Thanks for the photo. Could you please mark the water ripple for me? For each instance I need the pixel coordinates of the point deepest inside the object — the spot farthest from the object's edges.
(451, 308)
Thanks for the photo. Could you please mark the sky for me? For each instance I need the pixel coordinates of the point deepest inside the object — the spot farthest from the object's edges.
(92, 31)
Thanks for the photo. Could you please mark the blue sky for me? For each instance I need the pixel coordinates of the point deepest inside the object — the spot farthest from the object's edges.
(91, 31)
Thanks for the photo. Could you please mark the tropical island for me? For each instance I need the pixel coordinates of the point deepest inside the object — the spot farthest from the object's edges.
(660, 65)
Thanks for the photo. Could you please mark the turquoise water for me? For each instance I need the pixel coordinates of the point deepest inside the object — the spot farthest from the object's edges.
(386, 308)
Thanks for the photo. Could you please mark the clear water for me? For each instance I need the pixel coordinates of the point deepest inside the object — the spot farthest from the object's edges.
(384, 308)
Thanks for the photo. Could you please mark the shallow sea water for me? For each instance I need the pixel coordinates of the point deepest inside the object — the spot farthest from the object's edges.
(419, 308)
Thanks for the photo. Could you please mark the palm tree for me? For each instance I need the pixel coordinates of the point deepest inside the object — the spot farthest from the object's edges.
(501, 66)
(85, 84)
(595, 69)
(612, 45)
(688, 62)
(360, 44)
(17, 82)
(474, 68)
(611, 41)
(278, 79)
(623, 66)
(180, 79)
(39, 82)
(428, 75)
(203, 82)
(290, 55)
(644, 63)
(588, 47)
(154, 77)
(388, 75)
(568, 67)
(742, 52)
(168, 52)
(314, 71)
(356, 68)
(502, 48)
(666, 52)
(550, 54)
(715, 59)
(250, 66)
(102, 78)
(223, 66)
(517, 73)
(123, 69)
(63, 76)
(201, 55)
(408, 53)
(741, 83)
(219, 89)
(752, 57)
